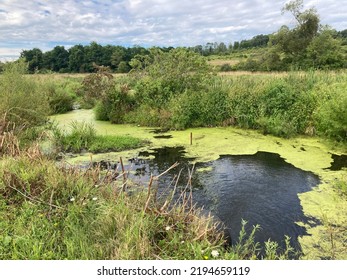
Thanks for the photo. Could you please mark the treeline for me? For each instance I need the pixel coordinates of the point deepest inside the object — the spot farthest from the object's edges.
(308, 45)
(222, 49)
(280, 52)
(80, 59)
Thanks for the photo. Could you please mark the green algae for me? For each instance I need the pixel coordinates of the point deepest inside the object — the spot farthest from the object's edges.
(326, 239)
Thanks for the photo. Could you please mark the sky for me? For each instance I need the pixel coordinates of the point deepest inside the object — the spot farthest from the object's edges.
(45, 24)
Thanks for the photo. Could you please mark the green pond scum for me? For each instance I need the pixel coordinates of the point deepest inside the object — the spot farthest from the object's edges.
(326, 238)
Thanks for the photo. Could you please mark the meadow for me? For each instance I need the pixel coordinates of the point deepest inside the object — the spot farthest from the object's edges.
(61, 212)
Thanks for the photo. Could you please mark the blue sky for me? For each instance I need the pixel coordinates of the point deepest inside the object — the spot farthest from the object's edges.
(47, 23)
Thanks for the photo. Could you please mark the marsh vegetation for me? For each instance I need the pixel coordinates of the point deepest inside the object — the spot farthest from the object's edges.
(56, 210)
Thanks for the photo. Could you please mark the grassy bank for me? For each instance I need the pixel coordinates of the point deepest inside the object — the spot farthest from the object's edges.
(65, 213)
(82, 136)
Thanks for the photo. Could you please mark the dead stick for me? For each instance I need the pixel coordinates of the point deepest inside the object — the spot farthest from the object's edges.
(149, 193)
(171, 167)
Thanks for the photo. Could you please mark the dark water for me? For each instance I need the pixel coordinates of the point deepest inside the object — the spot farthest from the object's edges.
(262, 189)
(339, 162)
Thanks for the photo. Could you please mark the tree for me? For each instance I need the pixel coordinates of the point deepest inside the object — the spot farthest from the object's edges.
(93, 54)
(236, 45)
(293, 43)
(222, 48)
(57, 59)
(76, 58)
(123, 67)
(162, 75)
(118, 55)
(325, 51)
(34, 58)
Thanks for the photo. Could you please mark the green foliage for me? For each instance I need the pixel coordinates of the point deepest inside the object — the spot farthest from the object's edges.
(341, 186)
(82, 137)
(22, 99)
(226, 67)
(55, 213)
(118, 102)
(325, 51)
(174, 71)
(200, 108)
(147, 115)
(110, 143)
(96, 86)
(245, 94)
(60, 99)
(331, 115)
(286, 109)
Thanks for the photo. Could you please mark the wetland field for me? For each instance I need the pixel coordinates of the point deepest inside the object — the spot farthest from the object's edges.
(170, 163)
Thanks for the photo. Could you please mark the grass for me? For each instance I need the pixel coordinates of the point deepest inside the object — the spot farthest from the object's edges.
(51, 212)
(82, 137)
(341, 186)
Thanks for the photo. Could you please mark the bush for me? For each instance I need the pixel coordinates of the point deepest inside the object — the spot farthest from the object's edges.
(203, 108)
(60, 100)
(146, 115)
(22, 99)
(331, 115)
(226, 67)
(286, 109)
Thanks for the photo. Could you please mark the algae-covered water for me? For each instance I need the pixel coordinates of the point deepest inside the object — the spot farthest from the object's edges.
(285, 185)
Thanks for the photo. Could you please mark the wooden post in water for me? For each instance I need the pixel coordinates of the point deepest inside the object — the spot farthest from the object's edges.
(123, 171)
(191, 138)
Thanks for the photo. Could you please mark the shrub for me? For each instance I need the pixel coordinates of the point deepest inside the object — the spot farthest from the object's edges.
(226, 67)
(200, 108)
(60, 100)
(286, 109)
(331, 116)
(22, 99)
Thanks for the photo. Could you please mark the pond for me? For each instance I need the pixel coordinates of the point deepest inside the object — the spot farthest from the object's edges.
(261, 189)
(239, 174)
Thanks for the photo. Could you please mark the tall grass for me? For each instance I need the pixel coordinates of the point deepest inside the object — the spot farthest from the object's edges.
(22, 100)
(51, 212)
(82, 136)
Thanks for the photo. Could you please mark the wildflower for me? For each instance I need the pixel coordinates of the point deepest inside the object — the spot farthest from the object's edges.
(182, 242)
(214, 253)
(72, 199)
(167, 228)
(94, 198)
(206, 257)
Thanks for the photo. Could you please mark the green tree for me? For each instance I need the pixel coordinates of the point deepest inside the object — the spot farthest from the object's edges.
(93, 54)
(178, 69)
(76, 58)
(117, 56)
(325, 51)
(293, 43)
(34, 58)
(123, 67)
(57, 59)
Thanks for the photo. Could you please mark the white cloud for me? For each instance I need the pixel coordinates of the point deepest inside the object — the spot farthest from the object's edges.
(37, 23)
